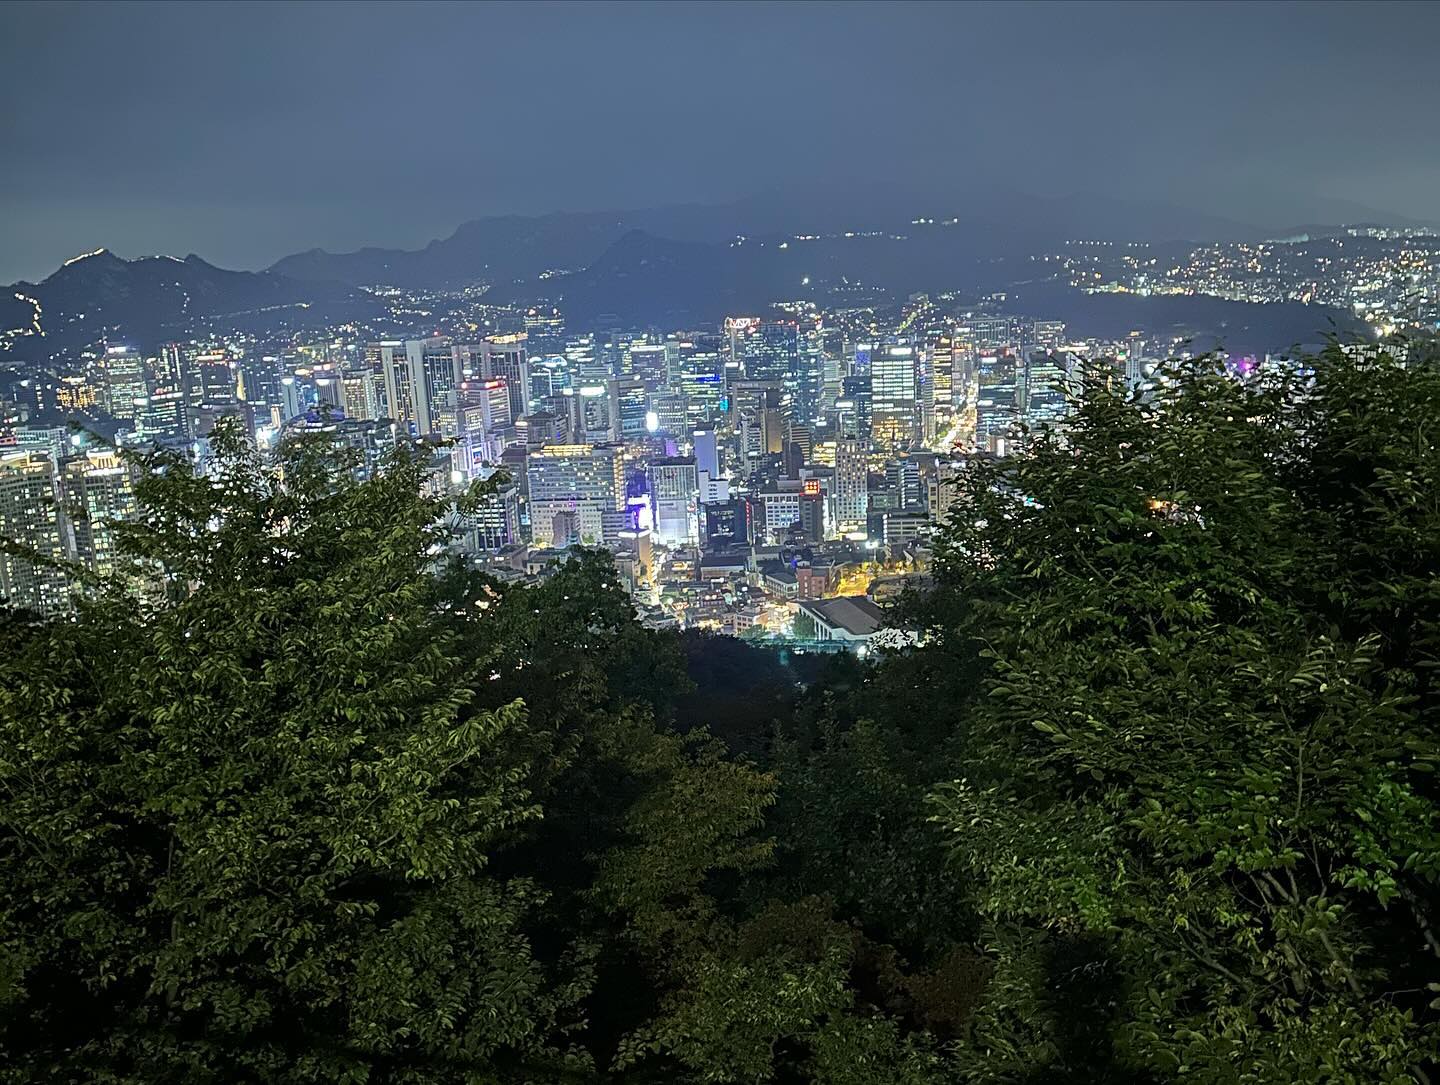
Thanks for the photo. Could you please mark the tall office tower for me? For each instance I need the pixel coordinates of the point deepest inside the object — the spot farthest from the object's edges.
(675, 487)
(258, 379)
(808, 378)
(329, 390)
(363, 394)
(76, 394)
(548, 377)
(942, 381)
(1044, 391)
(852, 483)
(294, 397)
(162, 415)
(756, 418)
(30, 517)
(992, 332)
(894, 399)
(434, 379)
(700, 378)
(860, 361)
(581, 481)
(212, 377)
(99, 491)
(503, 356)
(588, 360)
(388, 358)
(706, 445)
(996, 401)
(707, 451)
(903, 475)
(647, 363)
(629, 405)
(590, 415)
(738, 330)
(172, 372)
(729, 525)
(671, 411)
(478, 419)
(853, 408)
(537, 429)
(124, 381)
(803, 438)
(770, 352)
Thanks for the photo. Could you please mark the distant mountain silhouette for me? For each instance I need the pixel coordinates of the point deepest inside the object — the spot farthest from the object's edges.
(507, 248)
(101, 295)
(667, 266)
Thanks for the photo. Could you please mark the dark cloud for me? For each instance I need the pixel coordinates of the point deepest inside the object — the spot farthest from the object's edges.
(247, 131)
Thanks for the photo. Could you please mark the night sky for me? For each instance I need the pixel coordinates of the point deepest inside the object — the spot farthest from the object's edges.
(247, 132)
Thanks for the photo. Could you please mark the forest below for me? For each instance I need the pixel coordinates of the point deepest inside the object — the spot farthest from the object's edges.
(1151, 799)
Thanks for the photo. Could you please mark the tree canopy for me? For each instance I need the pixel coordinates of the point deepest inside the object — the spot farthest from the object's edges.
(1152, 798)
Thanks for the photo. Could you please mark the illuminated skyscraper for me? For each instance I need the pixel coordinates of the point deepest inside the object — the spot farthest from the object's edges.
(629, 405)
(852, 492)
(124, 381)
(674, 486)
(700, 378)
(942, 381)
(894, 399)
(211, 377)
(503, 356)
(99, 492)
(586, 482)
(30, 517)
(434, 380)
(389, 360)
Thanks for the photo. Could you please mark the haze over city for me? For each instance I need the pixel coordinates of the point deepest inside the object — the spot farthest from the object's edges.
(246, 132)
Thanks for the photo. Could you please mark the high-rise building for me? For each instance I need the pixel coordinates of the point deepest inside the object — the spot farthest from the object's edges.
(675, 488)
(728, 525)
(494, 522)
(363, 394)
(434, 380)
(99, 492)
(211, 376)
(30, 517)
(903, 475)
(629, 406)
(172, 372)
(993, 332)
(503, 356)
(942, 381)
(389, 360)
(807, 378)
(124, 381)
(770, 352)
(1049, 334)
(647, 364)
(853, 408)
(587, 482)
(894, 399)
(1044, 390)
(852, 493)
(700, 378)
(162, 415)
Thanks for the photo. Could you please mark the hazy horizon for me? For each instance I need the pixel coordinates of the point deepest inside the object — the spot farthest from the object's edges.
(245, 133)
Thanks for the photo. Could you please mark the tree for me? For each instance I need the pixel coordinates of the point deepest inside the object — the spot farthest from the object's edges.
(1186, 778)
(293, 816)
